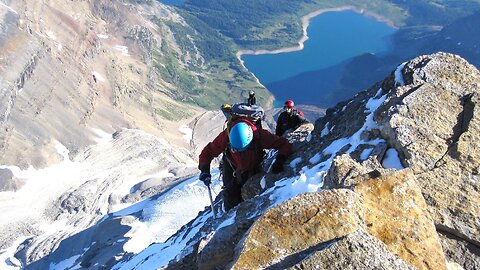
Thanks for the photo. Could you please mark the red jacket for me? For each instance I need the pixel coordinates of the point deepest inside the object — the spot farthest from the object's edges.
(249, 158)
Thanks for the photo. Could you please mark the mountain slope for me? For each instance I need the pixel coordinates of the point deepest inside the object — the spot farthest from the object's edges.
(68, 67)
(368, 170)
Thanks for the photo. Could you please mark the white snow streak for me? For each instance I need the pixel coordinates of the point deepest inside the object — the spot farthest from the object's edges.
(391, 160)
(398, 74)
(98, 76)
(160, 254)
(51, 35)
(122, 49)
(325, 130)
(162, 217)
(7, 259)
(187, 133)
(9, 8)
(365, 153)
(295, 162)
(103, 137)
(65, 264)
(26, 203)
(63, 151)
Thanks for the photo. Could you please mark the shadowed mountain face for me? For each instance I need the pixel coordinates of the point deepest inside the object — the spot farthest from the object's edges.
(461, 37)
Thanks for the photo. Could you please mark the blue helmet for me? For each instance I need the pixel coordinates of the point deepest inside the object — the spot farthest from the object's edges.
(241, 135)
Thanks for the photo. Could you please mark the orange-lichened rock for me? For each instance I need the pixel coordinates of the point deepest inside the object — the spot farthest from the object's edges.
(304, 221)
(396, 214)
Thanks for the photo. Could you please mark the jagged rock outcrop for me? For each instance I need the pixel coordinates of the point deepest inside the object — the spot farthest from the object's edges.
(8, 182)
(433, 122)
(429, 113)
(345, 172)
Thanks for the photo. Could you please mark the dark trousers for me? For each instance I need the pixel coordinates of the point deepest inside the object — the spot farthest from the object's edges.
(232, 189)
(233, 182)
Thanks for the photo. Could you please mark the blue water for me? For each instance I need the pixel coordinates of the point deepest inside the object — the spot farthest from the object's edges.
(334, 38)
(172, 2)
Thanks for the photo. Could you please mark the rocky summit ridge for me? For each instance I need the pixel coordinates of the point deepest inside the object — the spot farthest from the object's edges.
(399, 165)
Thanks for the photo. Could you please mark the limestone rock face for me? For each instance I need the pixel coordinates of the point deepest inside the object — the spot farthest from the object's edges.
(434, 122)
(396, 214)
(345, 172)
(8, 182)
(430, 114)
(358, 250)
(302, 222)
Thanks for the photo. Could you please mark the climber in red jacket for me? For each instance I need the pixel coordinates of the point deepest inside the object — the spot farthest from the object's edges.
(242, 147)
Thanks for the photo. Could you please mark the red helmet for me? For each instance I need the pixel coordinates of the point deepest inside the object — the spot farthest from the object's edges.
(289, 103)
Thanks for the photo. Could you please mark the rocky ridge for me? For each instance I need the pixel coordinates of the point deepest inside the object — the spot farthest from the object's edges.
(419, 213)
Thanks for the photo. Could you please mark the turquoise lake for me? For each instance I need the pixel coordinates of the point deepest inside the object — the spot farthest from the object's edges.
(313, 75)
(172, 2)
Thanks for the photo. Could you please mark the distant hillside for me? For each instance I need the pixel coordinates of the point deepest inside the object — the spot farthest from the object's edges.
(272, 24)
(461, 37)
(67, 68)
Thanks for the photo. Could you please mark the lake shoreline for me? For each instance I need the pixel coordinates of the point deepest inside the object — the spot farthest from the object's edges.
(305, 23)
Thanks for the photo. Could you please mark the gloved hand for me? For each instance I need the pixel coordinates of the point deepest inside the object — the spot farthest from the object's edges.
(206, 178)
(205, 175)
(277, 166)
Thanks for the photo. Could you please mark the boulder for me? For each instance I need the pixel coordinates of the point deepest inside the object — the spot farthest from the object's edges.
(344, 172)
(358, 250)
(8, 182)
(396, 214)
(297, 224)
